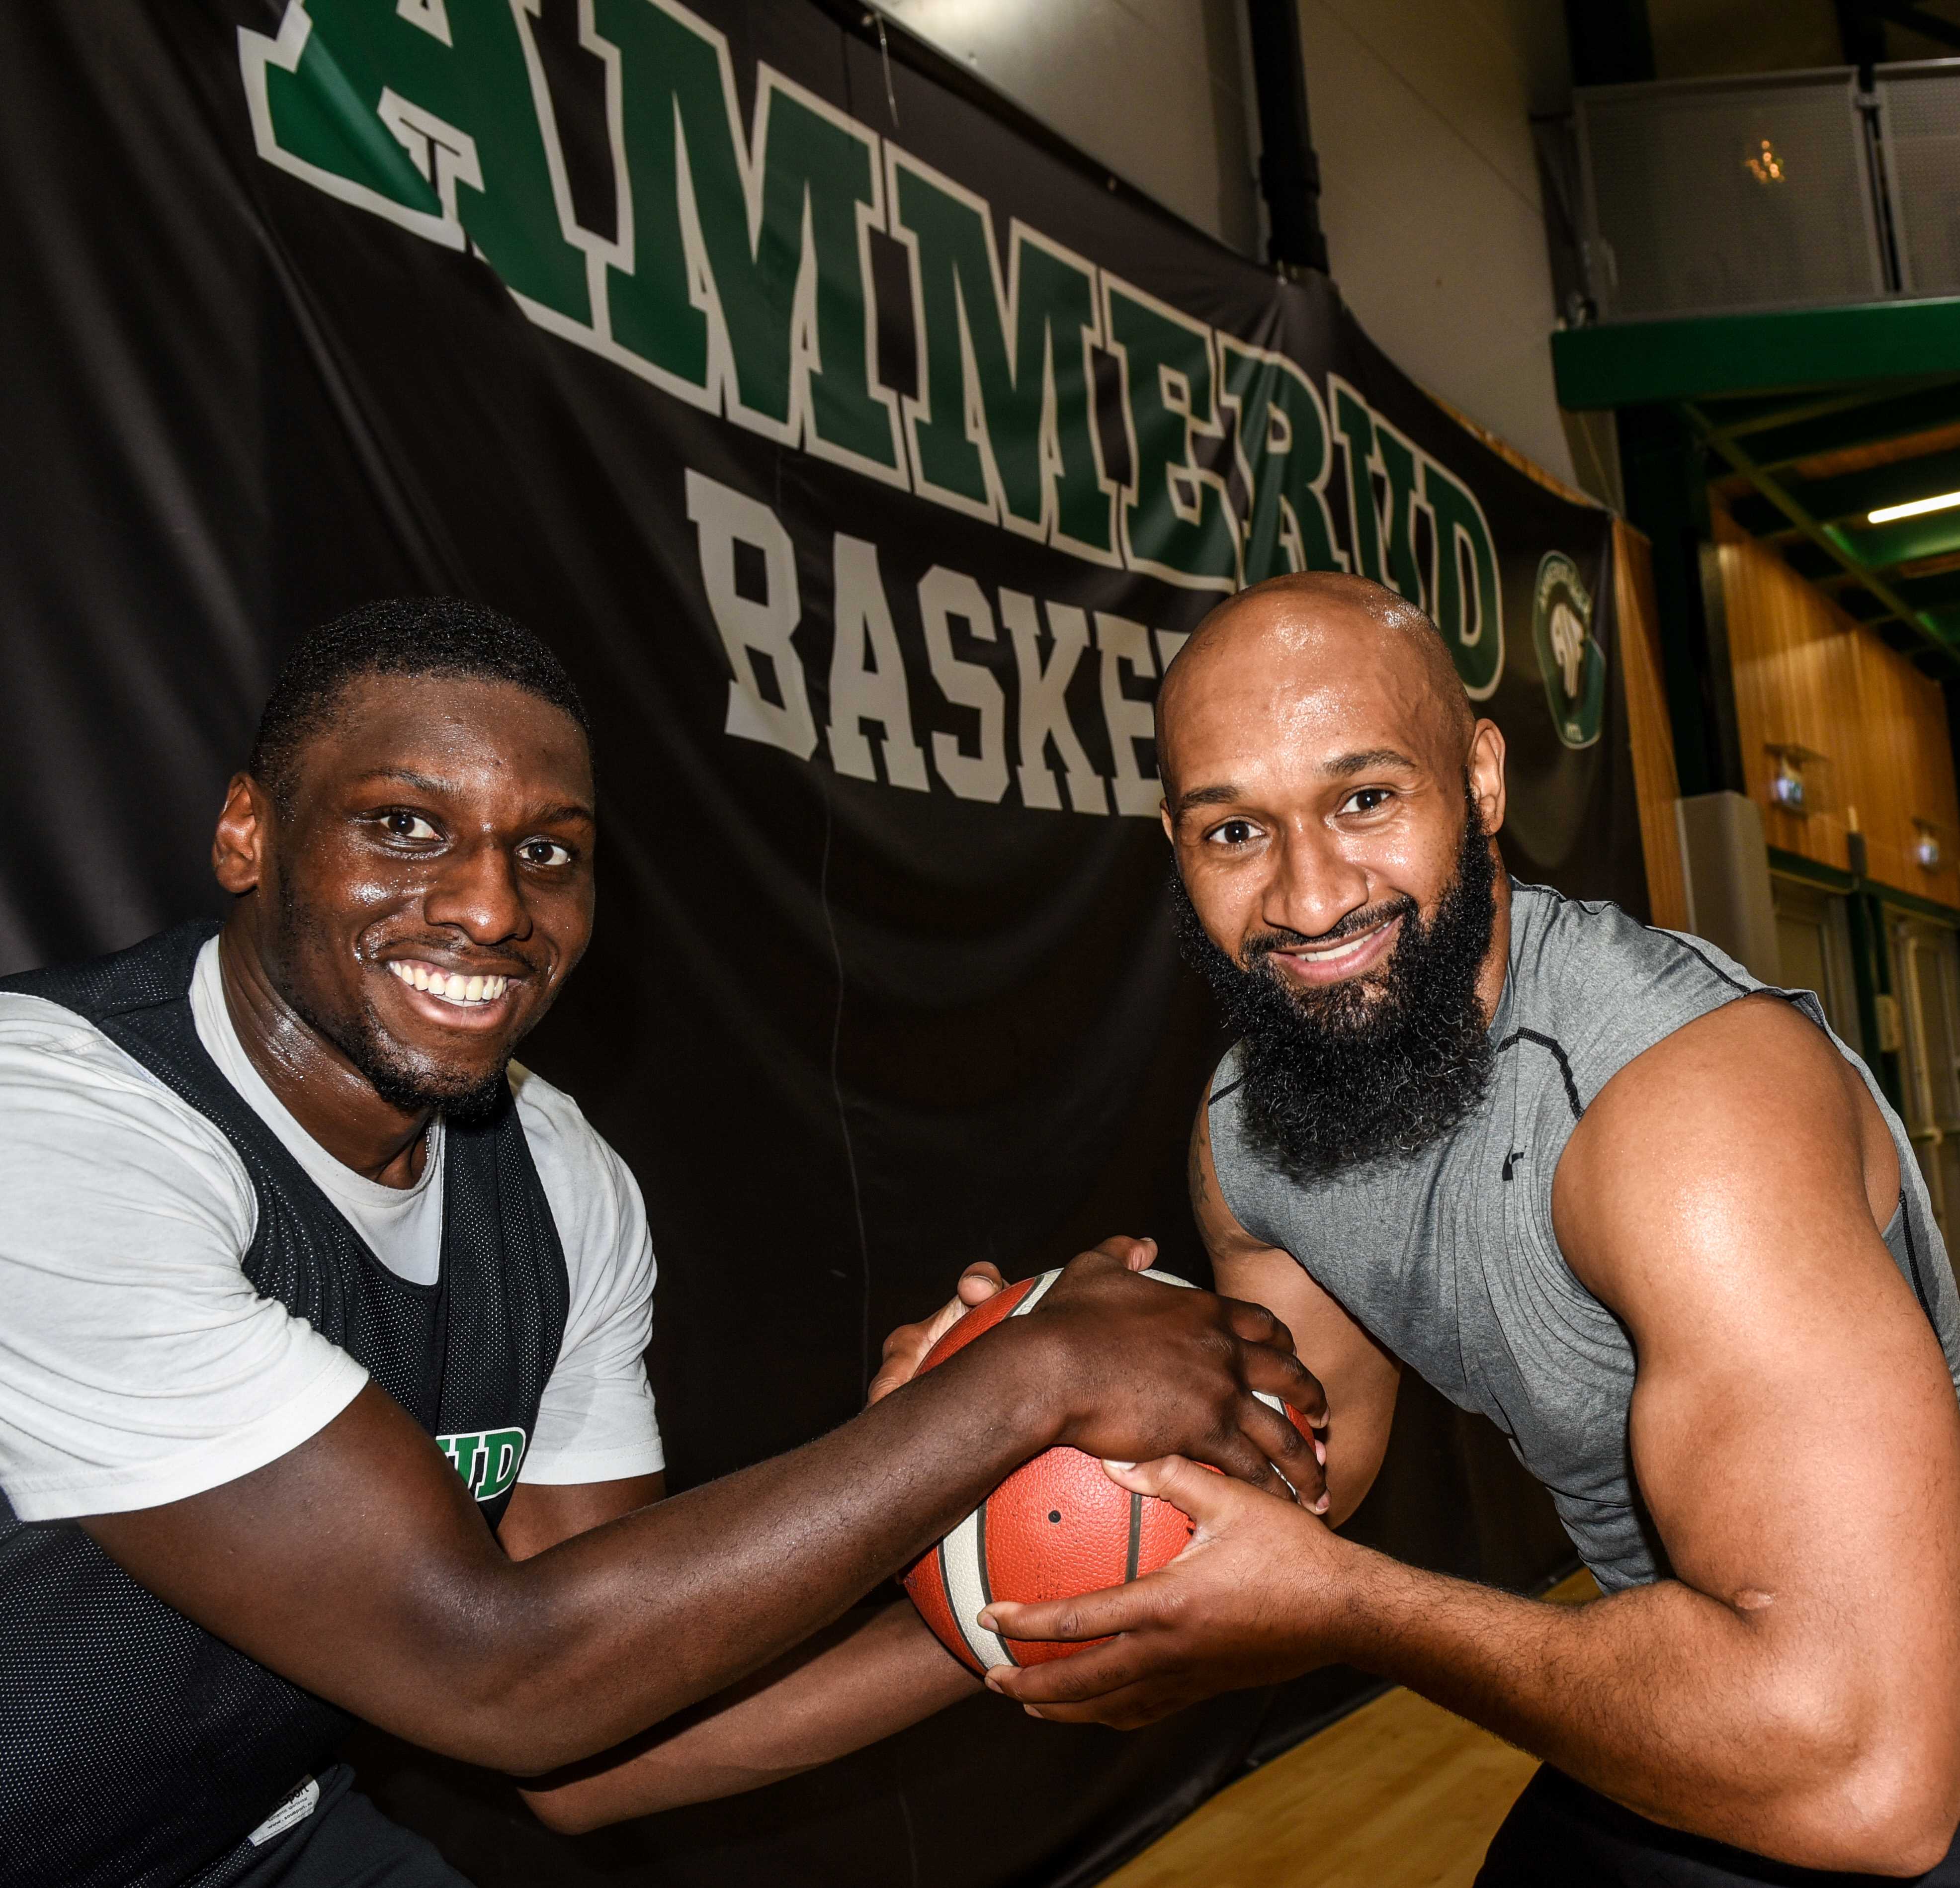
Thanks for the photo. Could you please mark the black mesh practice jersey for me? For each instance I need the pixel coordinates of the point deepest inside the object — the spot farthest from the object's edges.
(136, 1749)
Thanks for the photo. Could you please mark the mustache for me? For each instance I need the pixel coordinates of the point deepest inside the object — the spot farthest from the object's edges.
(1368, 918)
(502, 960)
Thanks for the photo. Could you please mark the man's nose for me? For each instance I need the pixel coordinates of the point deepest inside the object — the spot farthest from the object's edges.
(1315, 884)
(477, 891)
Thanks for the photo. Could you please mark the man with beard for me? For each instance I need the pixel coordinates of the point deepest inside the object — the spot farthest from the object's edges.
(1596, 1182)
(321, 1388)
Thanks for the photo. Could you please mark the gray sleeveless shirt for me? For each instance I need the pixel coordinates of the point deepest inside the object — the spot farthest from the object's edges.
(1448, 1258)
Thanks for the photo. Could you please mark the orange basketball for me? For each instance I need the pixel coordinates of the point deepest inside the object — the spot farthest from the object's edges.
(1055, 1527)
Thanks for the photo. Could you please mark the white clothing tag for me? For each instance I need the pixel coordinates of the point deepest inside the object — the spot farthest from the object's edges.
(295, 1809)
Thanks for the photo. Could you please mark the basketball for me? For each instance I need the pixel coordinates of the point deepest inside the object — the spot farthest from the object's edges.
(1057, 1526)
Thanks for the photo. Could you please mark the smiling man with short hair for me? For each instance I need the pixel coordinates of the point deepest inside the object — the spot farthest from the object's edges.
(282, 1226)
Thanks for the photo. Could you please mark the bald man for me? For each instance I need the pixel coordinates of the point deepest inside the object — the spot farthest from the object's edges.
(1596, 1181)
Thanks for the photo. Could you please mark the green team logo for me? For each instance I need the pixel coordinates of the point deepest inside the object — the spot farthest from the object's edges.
(1570, 660)
(487, 1460)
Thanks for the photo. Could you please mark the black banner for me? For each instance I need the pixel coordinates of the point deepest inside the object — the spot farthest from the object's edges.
(867, 457)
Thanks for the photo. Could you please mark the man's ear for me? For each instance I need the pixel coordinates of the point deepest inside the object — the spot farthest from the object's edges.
(1487, 774)
(244, 830)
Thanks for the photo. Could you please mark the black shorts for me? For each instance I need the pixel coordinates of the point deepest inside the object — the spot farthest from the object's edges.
(343, 1841)
(1559, 1834)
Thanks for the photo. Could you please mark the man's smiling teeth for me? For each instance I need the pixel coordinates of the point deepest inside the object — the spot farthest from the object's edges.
(452, 986)
(1320, 953)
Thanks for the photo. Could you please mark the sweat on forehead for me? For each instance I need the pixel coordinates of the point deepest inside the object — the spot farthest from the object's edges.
(1284, 614)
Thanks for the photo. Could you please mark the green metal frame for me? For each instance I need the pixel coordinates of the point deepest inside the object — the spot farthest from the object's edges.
(1829, 879)
(1762, 393)
(1637, 363)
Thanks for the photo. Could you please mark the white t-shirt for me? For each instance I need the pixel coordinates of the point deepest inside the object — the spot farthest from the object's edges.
(137, 1363)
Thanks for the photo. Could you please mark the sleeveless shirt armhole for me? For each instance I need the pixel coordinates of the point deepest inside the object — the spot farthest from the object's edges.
(1224, 1161)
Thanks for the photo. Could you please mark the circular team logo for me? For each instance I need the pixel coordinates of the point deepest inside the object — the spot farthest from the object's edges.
(1571, 662)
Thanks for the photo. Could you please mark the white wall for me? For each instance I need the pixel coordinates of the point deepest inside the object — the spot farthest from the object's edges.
(1153, 89)
(1420, 112)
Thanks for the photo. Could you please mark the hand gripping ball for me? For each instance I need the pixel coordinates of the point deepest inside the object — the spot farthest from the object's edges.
(1056, 1527)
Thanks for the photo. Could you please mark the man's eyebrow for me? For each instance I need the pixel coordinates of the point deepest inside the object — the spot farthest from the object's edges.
(1367, 759)
(1204, 797)
(1342, 767)
(422, 783)
(429, 784)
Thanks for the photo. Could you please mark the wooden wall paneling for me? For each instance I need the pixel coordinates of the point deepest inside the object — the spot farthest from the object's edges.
(1785, 687)
(1656, 781)
(1906, 769)
(1808, 675)
(1791, 685)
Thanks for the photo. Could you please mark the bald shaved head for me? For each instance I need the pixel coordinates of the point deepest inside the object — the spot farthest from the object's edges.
(1276, 619)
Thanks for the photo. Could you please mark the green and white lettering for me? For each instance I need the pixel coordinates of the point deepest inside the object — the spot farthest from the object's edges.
(487, 1460)
(1004, 428)
(436, 118)
(1467, 602)
(1284, 454)
(751, 263)
(1177, 521)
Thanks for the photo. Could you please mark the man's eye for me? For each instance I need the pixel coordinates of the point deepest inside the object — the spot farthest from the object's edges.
(1233, 832)
(402, 824)
(544, 852)
(1366, 799)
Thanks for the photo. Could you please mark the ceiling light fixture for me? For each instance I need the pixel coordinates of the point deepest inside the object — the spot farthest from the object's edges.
(1885, 514)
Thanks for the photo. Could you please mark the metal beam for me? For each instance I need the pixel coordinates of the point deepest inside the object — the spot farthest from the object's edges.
(1851, 495)
(1826, 541)
(1898, 416)
(1630, 363)
(1764, 412)
(1883, 547)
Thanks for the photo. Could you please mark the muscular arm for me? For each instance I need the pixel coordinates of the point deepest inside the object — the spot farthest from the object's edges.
(1360, 1379)
(357, 1565)
(872, 1673)
(1795, 1687)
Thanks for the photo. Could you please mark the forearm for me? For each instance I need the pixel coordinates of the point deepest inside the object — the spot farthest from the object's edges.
(618, 1628)
(1700, 1715)
(867, 1677)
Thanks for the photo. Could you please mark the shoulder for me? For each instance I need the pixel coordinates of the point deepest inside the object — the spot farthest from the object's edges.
(561, 1140)
(1573, 943)
(80, 1117)
(1750, 1102)
(1605, 988)
(1759, 1060)
(594, 1199)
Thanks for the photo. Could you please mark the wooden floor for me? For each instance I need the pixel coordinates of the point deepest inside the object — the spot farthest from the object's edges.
(1398, 1795)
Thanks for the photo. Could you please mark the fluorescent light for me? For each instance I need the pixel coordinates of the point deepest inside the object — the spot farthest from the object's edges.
(1945, 502)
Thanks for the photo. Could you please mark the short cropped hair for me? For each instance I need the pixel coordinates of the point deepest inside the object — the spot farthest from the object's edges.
(398, 635)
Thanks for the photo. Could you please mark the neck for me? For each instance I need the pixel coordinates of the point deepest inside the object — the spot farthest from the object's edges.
(314, 1082)
(1496, 959)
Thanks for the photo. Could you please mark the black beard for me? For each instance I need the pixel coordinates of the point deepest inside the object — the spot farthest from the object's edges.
(1380, 1066)
(411, 1086)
